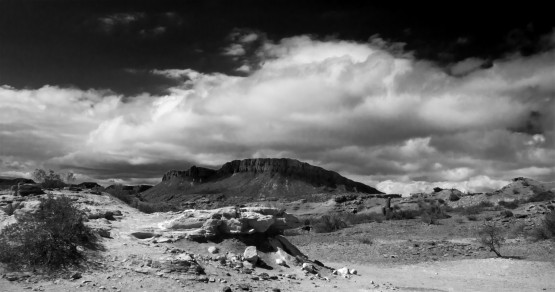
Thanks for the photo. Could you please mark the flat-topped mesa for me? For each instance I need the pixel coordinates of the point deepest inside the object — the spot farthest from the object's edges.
(196, 174)
(292, 168)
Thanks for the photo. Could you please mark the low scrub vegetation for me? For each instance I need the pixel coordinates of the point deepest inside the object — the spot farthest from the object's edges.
(432, 212)
(474, 209)
(454, 197)
(334, 222)
(543, 196)
(546, 230)
(52, 180)
(53, 237)
(329, 223)
(506, 213)
(509, 204)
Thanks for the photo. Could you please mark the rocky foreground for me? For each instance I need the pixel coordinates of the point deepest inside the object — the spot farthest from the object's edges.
(227, 249)
(242, 249)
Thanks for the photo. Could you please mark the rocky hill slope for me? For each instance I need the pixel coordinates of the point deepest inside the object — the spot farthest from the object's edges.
(242, 181)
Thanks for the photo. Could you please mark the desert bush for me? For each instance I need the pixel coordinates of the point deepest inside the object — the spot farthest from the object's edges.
(149, 208)
(506, 213)
(366, 241)
(474, 209)
(401, 214)
(509, 204)
(50, 238)
(491, 236)
(517, 230)
(430, 213)
(546, 230)
(543, 196)
(472, 218)
(359, 218)
(50, 179)
(328, 223)
(453, 197)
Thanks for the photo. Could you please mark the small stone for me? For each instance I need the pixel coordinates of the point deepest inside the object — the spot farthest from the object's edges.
(211, 280)
(353, 271)
(226, 289)
(76, 276)
(251, 254)
(248, 265)
(213, 250)
(343, 271)
(308, 267)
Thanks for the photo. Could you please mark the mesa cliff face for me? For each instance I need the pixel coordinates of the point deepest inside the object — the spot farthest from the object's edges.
(253, 179)
(194, 173)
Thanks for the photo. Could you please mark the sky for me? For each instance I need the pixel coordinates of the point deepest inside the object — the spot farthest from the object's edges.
(403, 97)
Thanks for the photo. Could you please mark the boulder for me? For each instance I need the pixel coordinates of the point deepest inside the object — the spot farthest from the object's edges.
(309, 268)
(29, 208)
(232, 221)
(251, 254)
(248, 265)
(343, 271)
(196, 234)
(188, 219)
(259, 222)
(287, 258)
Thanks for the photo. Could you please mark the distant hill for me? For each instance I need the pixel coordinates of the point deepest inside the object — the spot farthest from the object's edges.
(241, 181)
(522, 187)
(137, 188)
(8, 181)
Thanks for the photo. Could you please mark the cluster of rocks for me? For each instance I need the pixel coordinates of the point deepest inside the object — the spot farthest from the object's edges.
(206, 224)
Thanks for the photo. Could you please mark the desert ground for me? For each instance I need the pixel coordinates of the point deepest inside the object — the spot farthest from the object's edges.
(391, 255)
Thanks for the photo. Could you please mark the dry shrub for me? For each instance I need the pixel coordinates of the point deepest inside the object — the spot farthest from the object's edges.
(329, 223)
(51, 238)
(546, 230)
(543, 196)
(506, 213)
(509, 204)
(491, 237)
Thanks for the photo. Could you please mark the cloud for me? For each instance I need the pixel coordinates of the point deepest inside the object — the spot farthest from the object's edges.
(117, 21)
(234, 50)
(466, 66)
(357, 108)
(141, 24)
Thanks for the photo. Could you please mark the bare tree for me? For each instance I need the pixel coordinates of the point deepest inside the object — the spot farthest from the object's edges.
(69, 177)
(491, 237)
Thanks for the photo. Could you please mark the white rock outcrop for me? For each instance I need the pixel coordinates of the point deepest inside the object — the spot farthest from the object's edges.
(231, 221)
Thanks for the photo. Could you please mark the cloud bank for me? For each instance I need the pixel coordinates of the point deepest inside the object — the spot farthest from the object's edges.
(374, 115)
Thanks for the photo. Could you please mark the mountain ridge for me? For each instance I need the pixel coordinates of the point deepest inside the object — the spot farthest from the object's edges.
(257, 178)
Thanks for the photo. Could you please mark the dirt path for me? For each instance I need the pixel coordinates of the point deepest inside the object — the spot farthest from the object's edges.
(462, 275)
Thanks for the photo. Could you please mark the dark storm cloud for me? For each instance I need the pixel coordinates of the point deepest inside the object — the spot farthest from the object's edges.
(382, 94)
